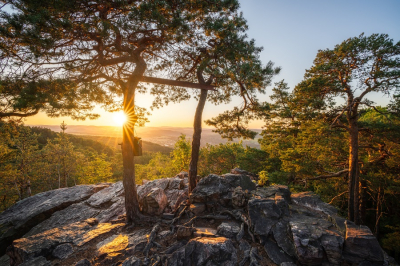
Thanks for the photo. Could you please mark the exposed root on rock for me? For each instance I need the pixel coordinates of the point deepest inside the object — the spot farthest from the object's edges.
(238, 215)
(150, 241)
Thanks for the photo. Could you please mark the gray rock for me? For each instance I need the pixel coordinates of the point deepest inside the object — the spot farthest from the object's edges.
(106, 197)
(84, 262)
(213, 188)
(228, 229)
(239, 197)
(264, 214)
(183, 232)
(313, 202)
(283, 239)
(306, 233)
(197, 208)
(78, 234)
(333, 246)
(27, 213)
(137, 241)
(4, 260)
(154, 202)
(277, 255)
(205, 251)
(72, 214)
(288, 264)
(238, 171)
(271, 191)
(39, 261)
(132, 261)
(360, 245)
(63, 251)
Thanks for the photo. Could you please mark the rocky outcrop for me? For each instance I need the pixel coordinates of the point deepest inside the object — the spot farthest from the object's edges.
(25, 214)
(227, 220)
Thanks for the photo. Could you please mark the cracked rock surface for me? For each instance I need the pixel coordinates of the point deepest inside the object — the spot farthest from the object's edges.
(226, 220)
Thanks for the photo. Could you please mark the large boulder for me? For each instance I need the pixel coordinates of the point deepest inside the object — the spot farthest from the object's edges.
(27, 213)
(172, 188)
(105, 205)
(361, 246)
(264, 214)
(218, 189)
(43, 244)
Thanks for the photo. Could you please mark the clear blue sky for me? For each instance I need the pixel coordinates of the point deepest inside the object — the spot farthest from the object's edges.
(291, 32)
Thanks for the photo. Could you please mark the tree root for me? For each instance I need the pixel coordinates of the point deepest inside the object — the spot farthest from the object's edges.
(179, 216)
(150, 241)
(215, 217)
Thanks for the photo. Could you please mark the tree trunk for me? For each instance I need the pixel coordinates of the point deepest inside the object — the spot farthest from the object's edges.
(196, 140)
(131, 197)
(353, 202)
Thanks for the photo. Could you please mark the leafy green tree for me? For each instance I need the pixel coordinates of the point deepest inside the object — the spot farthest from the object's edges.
(105, 47)
(352, 70)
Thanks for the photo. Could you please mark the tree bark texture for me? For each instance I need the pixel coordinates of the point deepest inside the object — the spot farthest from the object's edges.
(197, 129)
(353, 211)
(131, 197)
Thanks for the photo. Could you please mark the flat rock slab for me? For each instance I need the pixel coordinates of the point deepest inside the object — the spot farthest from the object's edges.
(77, 234)
(313, 202)
(25, 214)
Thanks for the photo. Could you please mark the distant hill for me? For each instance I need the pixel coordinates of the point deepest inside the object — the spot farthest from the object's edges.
(164, 136)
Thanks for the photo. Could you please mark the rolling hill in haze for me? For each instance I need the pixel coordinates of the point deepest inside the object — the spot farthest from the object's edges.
(165, 136)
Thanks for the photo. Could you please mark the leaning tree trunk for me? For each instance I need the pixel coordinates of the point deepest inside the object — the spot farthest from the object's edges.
(196, 140)
(131, 197)
(353, 202)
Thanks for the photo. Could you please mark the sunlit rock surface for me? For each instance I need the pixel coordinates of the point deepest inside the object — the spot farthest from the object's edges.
(227, 220)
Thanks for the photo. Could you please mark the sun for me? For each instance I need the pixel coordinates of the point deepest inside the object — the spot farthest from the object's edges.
(119, 118)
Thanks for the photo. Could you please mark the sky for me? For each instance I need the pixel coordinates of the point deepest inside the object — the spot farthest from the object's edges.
(291, 32)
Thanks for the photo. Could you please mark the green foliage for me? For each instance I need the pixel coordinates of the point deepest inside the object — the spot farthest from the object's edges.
(33, 160)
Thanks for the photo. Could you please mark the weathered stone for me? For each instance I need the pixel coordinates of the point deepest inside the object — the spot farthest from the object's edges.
(219, 189)
(106, 197)
(239, 197)
(63, 251)
(360, 245)
(333, 246)
(197, 208)
(154, 202)
(42, 244)
(111, 248)
(84, 262)
(132, 261)
(283, 239)
(168, 216)
(288, 264)
(313, 202)
(264, 214)
(277, 255)
(5, 260)
(137, 241)
(183, 232)
(306, 242)
(39, 261)
(205, 251)
(271, 191)
(25, 214)
(72, 214)
(228, 229)
(183, 174)
(238, 171)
